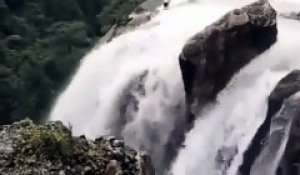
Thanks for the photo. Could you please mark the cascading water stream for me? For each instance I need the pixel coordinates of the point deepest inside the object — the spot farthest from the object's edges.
(241, 108)
(92, 102)
(105, 87)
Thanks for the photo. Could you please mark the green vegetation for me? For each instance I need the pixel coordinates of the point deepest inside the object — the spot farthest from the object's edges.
(50, 148)
(55, 138)
(41, 44)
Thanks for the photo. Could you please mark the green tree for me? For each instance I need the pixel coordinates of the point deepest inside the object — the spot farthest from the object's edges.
(41, 44)
(67, 35)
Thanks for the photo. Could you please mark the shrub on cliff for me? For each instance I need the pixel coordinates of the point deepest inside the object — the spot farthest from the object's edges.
(26, 149)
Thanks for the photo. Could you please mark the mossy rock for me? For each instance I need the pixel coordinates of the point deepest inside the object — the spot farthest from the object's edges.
(27, 148)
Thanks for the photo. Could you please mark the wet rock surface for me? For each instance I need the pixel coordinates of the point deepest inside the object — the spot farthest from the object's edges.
(26, 149)
(274, 144)
(290, 163)
(283, 111)
(210, 58)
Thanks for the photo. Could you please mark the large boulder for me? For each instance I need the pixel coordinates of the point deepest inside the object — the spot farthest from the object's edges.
(282, 109)
(210, 58)
(26, 149)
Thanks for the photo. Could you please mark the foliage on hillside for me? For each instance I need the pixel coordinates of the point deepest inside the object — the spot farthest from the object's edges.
(41, 44)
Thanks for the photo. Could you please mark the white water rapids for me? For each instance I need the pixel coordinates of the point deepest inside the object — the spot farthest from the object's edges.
(91, 102)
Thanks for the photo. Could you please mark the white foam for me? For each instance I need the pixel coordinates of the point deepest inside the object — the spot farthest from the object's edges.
(90, 102)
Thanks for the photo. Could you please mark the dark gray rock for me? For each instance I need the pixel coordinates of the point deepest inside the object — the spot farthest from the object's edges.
(290, 163)
(274, 144)
(286, 87)
(281, 110)
(210, 58)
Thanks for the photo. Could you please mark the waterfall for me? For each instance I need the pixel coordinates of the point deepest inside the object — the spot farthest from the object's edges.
(132, 88)
(241, 108)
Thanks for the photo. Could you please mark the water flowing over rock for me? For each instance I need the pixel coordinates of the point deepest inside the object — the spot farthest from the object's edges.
(26, 148)
(142, 14)
(129, 102)
(211, 57)
(266, 146)
(290, 160)
(132, 86)
(292, 15)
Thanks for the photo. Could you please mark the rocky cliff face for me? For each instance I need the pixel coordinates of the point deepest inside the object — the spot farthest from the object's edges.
(291, 158)
(211, 57)
(287, 89)
(281, 123)
(26, 149)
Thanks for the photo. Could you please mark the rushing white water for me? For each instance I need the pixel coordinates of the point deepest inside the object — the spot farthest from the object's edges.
(242, 107)
(93, 101)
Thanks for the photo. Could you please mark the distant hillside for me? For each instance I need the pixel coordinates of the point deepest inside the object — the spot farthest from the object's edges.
(41, 44)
